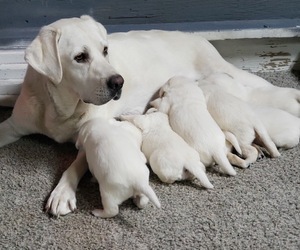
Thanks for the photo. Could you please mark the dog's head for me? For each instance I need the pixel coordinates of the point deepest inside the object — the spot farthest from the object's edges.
(74, 52)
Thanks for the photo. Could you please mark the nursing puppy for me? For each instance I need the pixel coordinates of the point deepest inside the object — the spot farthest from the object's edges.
(183, 101)
(283, 128)
(169, 156)
(114, 157)
(237, 117)
(257, 94)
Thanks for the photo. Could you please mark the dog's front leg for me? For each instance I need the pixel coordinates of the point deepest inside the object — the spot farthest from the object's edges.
(62, 200)
(9, 132)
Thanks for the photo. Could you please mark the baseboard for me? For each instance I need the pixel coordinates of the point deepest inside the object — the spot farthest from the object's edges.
(255, 50)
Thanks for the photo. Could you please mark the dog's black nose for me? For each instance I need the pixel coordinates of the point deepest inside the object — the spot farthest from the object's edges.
(115, 82)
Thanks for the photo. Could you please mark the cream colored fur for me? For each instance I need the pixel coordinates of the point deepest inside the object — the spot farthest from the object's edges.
(59, 94)
(113, 153)
(169, 156)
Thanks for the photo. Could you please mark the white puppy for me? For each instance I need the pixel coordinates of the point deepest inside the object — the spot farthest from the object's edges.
(283, 128)
(169, 156)
(183, 101)
(236, 116)
(258, 94)
(114, 157)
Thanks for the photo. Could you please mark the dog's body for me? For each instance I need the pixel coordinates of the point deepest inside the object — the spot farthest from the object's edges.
(184, 102)
(237, 117)
(69, 58)
(169, 156)
(113, 153)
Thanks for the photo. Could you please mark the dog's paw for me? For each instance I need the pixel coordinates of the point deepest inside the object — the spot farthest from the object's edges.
(62, 201)
(141, 201)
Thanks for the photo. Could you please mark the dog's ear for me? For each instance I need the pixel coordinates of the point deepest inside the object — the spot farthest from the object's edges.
(43, 55)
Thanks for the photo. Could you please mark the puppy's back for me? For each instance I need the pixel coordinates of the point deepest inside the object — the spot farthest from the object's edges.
(112, 152)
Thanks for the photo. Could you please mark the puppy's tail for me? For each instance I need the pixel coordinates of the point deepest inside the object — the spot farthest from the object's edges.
(149, 192)
(221, 159)
(263, 139)
(233, 141)
(199, 172)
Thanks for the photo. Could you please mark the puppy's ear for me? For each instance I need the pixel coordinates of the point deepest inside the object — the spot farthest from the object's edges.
(161, 104)
(140, 122)
(156, 103)
(43, 55)
(137, 120)
(128, 118)
(151, 110)
(77, 144)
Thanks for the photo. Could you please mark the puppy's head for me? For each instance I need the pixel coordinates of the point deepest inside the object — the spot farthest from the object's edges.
(140, 121)
(175, 84)
(75, 52)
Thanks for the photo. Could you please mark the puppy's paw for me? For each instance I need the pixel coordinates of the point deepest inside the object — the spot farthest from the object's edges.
(141, 201)
(97, 212)
(62, 201)
(104, 214)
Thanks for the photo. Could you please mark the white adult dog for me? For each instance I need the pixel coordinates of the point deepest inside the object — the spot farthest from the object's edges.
(72, 62)
(169, 156)
(185, 104)
(113, 153)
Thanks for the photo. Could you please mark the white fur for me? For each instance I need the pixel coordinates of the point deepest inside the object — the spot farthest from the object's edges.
(257, 93)
(114, 157)
(236, 116)
(283, 128)
(55, 87)
(231, 145)
(169, 156)
(185, 105)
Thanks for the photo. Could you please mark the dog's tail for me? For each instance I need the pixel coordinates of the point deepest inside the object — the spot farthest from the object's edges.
(149, 192)
(233, 141)
(199, 172)
(225, 166)
(263, 139)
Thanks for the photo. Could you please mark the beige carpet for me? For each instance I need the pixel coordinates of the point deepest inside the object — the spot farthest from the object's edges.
(257, 209)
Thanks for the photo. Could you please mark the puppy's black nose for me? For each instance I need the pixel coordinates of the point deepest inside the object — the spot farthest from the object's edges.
(115, 82)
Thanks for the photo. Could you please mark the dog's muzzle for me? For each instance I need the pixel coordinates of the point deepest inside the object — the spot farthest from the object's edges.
(115, 84)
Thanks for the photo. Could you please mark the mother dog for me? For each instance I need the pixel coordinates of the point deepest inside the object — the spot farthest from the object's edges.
(76, 72)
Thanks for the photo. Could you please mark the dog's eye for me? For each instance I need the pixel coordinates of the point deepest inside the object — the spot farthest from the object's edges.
(105, 51)
(82, 57)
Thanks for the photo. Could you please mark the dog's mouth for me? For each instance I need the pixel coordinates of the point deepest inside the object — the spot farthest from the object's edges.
(113, 95)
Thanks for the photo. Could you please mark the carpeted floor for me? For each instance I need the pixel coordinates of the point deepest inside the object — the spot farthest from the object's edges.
(257, 209)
